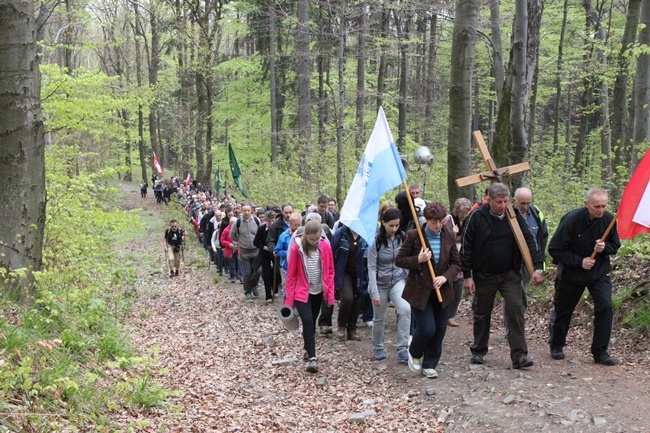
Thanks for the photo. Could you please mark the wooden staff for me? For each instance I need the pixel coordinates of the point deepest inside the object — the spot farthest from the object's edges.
(609, 229)
(417, 227)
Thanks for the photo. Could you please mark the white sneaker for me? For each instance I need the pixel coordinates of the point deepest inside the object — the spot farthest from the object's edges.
(415, 364)
(430, 373)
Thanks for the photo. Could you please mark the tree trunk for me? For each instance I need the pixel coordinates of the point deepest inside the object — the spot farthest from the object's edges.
(642, 88)
(430, 83)
(361, 78)
(273, 90)
(558, 81)
(138, 75)
(404, 34)
(304, 100)
(68, 37)
(381, 73)
(495, 26)
(460, 97)
(603, 96)
(154, 65)
(322, 93)
(22, 157)
(340, 180)
(618, 119)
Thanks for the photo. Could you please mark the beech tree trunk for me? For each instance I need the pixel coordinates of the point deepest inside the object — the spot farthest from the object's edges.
(619, 119)
(22, 157)
(499, 72)
(642, 88)
(460, 98)
(430, 81)
(273, 90)
(304, 99)
(340, 180)
(558, 81)
(381, 73)
(361, 78)
(403, 26)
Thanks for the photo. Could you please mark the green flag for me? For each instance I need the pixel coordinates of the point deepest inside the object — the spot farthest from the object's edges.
(236, 172)
(218, 183)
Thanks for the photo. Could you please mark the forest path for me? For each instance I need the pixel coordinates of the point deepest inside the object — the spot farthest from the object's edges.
(237, 369)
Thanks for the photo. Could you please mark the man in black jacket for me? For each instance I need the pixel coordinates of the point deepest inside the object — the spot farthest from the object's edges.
(277, 228)
(491, 262)
(577, 236)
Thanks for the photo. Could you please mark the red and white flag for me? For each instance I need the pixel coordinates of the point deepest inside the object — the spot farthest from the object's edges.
(188, 180)
(157, 164)
(634, 210)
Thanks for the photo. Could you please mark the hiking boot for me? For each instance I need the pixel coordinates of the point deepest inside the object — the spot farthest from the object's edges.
(403, 356)
(171, 273)
(524, 362)
(312, 367)
(431, 373)
(326, 330)
(477, 359)
(380, 354)
(256, 293)
(557, 353)
(605, 359)
(176, 273)
(415, 364)
(352, 335)
(453, 323)
(340, 333)
(248, 297)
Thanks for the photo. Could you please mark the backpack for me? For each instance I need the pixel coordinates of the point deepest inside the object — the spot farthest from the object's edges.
(257, 221)
(399, 234)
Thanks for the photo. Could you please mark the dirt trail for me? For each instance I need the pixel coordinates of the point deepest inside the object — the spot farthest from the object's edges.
(237, 369)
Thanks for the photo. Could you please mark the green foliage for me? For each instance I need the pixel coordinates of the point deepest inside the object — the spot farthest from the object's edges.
(56, 354)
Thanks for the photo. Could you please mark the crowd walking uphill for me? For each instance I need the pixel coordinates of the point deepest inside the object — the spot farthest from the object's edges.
(324, 271)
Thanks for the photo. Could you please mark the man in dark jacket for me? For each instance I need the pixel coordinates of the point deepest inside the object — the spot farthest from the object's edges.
(279, 226)
(491, 262)
(577, 236)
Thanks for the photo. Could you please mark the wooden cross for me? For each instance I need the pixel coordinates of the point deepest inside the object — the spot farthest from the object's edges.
(495, 174)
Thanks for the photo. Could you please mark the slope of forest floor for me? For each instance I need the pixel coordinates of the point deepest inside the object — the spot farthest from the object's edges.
(235, 368)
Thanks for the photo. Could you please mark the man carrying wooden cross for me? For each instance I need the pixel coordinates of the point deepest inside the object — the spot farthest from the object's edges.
(491, 261)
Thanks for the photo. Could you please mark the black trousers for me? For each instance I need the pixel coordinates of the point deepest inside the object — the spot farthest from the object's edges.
(308, 312)
(567, 295)
(267, 273)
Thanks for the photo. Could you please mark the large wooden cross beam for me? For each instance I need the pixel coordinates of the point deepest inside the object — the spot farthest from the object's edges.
(495, 174)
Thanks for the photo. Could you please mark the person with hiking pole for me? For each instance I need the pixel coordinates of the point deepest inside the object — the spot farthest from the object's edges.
(174, 240)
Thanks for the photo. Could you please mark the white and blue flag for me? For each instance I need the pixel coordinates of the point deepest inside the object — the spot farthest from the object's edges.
(380, 170)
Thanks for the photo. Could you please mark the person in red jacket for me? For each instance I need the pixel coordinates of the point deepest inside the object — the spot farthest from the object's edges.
(310, 281)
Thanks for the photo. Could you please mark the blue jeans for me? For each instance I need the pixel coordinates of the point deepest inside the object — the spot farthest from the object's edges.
(403, 310)
(220, 261)
(430, 329)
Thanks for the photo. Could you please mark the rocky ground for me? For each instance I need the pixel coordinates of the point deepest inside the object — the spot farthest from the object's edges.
(235, 368)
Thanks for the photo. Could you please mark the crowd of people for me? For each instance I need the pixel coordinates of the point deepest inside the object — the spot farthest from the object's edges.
(312, 263)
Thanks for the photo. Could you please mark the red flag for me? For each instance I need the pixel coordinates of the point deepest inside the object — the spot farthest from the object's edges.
(634, 210)
(157, 164)
(188, 180)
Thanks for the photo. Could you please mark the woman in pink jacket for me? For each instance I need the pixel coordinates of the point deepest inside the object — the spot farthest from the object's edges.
(310, 281)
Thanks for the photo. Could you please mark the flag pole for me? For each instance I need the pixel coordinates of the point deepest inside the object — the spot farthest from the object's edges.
(417, 227)
(604, 237)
